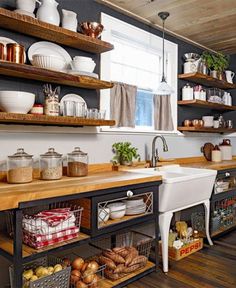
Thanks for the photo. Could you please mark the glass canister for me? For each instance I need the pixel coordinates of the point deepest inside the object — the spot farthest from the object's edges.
(51, 165)
(20, 167)
(77, 163)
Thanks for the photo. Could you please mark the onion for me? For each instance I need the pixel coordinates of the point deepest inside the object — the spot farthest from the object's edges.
(80, 284)
(66, 262)
(93, 265)
(88, 276)
(78, 263)
(84, 267)
(94, 284)
(75, 276)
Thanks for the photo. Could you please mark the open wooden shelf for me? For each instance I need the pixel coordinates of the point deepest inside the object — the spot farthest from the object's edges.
(223, 229)
(52, 120)
(150, 267)
(33, 27)
(206, 104)
(206, 80)
(45, 75)
(206, 130)
(6, 244)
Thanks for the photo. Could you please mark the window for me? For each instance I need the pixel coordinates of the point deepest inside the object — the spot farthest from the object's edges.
(137, 60)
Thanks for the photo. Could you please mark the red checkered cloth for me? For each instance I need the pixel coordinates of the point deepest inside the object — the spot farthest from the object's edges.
(40, 241)
(55, 216)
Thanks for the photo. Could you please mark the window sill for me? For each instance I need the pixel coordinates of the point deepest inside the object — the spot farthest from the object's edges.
(124, 131)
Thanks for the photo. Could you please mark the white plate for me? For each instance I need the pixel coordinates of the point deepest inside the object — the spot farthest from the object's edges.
(82, 73)
(5, 41)
(49, 48)
(135, 212)
(72, 97)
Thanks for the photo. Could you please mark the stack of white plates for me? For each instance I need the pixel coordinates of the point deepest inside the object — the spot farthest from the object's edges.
(135, 206)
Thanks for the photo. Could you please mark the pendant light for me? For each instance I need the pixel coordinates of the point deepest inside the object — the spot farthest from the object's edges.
(163, 88)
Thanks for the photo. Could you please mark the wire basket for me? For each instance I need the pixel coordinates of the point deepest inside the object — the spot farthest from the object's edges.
(97, 277)
(59, 279)
(55, 224)
(136, 246)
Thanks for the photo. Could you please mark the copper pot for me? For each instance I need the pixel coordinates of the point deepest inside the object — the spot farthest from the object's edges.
(195, 123)
(2, 47)
(187, 123)
(15, 53)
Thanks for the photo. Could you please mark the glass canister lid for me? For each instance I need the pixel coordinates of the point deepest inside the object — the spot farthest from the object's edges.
(20, 154)
(77, 152)
(51, 154)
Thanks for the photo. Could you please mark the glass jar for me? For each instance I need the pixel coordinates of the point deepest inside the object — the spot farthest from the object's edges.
(77, 163)
(51, 165)
(20, 167)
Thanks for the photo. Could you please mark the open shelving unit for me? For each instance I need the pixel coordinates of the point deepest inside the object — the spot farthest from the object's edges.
(33, 27)
(206, 129)
(207, 105)
(52, 120)
(206, 80)
(45, 75)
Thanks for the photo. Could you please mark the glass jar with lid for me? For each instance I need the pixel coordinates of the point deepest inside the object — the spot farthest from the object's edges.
(77, 163)
(20, 167)
(51, 165)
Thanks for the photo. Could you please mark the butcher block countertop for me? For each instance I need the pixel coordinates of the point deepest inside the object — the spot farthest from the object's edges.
(13, 194)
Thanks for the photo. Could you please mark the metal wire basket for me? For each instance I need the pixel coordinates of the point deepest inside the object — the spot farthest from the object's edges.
(38, 233)
(59, 279)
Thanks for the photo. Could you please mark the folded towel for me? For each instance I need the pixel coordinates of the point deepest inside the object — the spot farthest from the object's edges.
(54, 217)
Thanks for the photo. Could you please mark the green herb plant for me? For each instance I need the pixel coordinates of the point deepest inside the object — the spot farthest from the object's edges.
(124, 153)
(218, 62)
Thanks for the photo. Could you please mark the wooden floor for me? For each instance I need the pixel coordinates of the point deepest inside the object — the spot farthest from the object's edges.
(211, 267)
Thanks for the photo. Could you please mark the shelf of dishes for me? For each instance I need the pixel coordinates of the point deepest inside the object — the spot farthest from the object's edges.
(206, 129)
(26, 24)
(207, 105)
(225, 182)
(116, 211)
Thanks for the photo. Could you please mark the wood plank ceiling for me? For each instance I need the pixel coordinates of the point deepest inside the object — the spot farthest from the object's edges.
(211, 23)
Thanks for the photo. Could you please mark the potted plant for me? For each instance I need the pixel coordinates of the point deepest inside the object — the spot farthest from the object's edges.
(124, 153)
(216, 63)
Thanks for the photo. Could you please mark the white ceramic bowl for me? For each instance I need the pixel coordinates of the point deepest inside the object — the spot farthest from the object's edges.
(49, 62)
(85, 66)
(117, 210)
(16, 101)
(103, 214)
(208, 121)
(82, 58)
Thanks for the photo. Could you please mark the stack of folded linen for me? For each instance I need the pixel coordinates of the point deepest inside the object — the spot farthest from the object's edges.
(49, 227)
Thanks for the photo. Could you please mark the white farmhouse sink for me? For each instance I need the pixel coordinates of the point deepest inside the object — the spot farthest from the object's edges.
(181, 186)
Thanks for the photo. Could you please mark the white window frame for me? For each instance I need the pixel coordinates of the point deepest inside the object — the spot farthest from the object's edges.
(152, 41)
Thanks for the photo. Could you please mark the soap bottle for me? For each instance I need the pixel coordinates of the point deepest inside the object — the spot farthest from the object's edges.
(216, 155)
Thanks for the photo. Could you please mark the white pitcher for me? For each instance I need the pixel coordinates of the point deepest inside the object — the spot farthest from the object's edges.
(229, 76)
(26, 5)
(69, 20)
(48, 12)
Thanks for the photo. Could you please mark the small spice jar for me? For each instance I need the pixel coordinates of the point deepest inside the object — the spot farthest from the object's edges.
(77, 163)
(51, 165)
(20, 167)
(37, 109)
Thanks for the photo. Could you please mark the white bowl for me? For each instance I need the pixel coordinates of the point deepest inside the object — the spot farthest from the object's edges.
(86, 66)
(16, 101)
(117, 210)
(50, 62)
(208, 121)
(82, 58)
(103, 214)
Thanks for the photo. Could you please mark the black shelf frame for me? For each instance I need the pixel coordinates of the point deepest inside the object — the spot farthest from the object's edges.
(18, 260)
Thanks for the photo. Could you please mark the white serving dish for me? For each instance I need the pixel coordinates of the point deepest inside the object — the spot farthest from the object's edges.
(86, 66)
(82, 73)
(117, 210)
(16, 101)
(103, 215)
(48, 48)
(208, 121)
(49, 62)
(134, 203)
(82, 58)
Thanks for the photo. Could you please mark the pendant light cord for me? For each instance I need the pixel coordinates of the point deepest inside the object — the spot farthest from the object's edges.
(163, 51)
